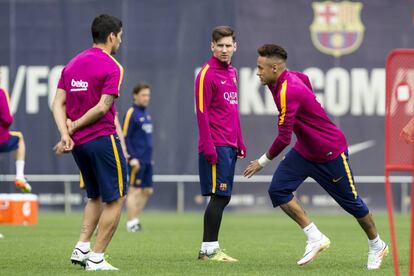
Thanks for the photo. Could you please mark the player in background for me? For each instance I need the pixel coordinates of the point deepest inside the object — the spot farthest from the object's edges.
(407, 132)
(320, 153)
(85, 114)
(220, 136)
(12, 141)
(137, 130)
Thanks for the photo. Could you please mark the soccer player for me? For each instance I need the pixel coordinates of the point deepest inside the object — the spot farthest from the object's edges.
(320, 153)
(12, 141)
(220, 137)
(407, 132)
(85, 114)
(137, 130)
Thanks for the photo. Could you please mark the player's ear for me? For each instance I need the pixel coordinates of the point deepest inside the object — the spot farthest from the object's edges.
(274, 67)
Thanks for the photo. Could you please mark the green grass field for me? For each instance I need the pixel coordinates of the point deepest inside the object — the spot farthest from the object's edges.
(265, 244)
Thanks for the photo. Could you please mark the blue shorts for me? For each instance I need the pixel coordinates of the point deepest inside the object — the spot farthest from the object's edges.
(13, 143)
(103, 168)
(218, 178)
(334, 176)
(141, 178)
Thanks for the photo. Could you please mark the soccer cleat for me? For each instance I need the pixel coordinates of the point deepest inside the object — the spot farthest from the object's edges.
(218, 255)
(80, 257)
(101, 265)
(135, 228)
(375, 257)
(22, 184)
(313, 249)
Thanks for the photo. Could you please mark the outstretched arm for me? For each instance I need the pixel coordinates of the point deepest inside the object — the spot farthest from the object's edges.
(286, 122)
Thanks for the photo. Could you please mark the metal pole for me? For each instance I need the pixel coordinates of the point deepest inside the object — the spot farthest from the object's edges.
(68, 207)
(390, 209)
(180, 197)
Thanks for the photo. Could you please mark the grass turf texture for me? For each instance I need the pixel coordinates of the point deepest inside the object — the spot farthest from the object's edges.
(265, 244)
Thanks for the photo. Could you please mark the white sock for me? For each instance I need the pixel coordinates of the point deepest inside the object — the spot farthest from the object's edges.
(84, 246)
(131, 223)
(312, 232)
(209, 247)
(20, 169)
(375, 244)
(96, 257)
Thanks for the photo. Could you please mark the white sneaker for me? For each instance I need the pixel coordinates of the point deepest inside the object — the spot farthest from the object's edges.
(79, 257)
(313, 248)
(101, 265)
(375, 257)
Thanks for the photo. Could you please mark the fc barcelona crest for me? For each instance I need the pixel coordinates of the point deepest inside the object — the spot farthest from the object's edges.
(337, 28)
(223, 187)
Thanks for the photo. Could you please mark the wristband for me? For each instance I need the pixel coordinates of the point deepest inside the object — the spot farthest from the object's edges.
(263, 160)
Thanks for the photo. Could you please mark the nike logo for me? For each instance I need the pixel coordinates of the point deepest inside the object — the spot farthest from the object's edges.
(223, 81)
(335, 180)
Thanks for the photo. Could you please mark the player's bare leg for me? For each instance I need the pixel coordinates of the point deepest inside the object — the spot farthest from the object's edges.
(317, 242)
(368, 225)
(143, 195)
(21, 150)
(296, 212)
(92, 212)
(132, 207)
(108, 223)
(378, 249)
(21, 182)
(136, 204)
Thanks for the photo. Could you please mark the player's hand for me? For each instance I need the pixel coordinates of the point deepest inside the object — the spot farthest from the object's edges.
(126, 154)
(71, 126)
(407, 133)
(135, 163)
(65, 145)
(59, 149)
(241, 152)
(253, 168)
(211, 155)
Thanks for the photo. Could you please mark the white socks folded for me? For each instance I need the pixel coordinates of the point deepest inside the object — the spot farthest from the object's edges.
(19, 169)
(84, 246)
(376, 244)
(132, 222)
(312, 232)
(209, 247)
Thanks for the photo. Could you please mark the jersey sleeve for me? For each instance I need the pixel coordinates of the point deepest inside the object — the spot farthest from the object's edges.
(113, 81)
(289, 103)
(6, 118)
(61, 83)
(203, 94)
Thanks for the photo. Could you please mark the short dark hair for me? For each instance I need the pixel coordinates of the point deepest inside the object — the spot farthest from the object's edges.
(272, 50)
(222, 31)
(103, 25)
(139, 87)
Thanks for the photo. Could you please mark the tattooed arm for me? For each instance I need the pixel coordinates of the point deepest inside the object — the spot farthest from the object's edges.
(93, 114)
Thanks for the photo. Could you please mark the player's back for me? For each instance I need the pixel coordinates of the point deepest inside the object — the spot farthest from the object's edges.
(319, 139)
(85, 79)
